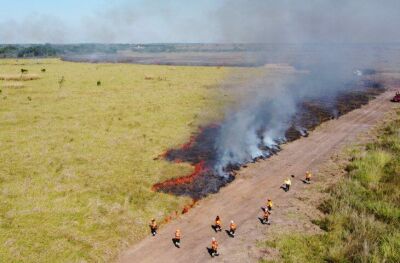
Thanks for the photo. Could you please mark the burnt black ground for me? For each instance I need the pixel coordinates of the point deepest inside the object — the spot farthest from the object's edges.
(310, 114)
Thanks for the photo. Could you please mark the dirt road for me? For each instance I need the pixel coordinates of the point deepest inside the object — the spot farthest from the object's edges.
(242, 199)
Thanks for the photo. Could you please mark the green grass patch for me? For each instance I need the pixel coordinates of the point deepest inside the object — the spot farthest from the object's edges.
(362, 222)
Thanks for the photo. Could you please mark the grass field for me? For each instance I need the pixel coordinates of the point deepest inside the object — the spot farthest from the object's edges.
(76, 159)
(362, 222)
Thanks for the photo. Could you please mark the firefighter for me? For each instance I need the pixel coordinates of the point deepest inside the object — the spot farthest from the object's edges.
(265, 219)
(218, 224)
(153, 227)
(308, 177)
(214, 247)
(269, 205)
(232, 228)
(177, 239)
(286, 184)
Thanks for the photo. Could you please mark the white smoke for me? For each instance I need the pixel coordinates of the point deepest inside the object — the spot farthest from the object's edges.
(256, 128)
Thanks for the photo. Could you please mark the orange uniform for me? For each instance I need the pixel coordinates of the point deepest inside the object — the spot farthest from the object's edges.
(270, 204)
(214, 245)
(153, 227)
(178, 234)
(218, 224)
(232, 226)
(266, 215)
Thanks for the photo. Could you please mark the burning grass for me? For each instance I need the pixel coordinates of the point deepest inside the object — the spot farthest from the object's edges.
(200, 150)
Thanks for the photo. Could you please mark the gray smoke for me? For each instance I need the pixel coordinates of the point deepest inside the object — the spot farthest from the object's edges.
(311, 21)
(258, 126)
(272, 21)
(260, 121)
(35, 28)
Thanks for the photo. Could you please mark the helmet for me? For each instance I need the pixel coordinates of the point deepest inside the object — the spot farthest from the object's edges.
(231, 221)
(213, 239)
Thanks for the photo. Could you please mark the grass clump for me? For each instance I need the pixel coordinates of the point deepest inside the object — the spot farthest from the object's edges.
(362, 220)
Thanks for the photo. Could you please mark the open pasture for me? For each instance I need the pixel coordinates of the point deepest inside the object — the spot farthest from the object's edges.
(77, 148)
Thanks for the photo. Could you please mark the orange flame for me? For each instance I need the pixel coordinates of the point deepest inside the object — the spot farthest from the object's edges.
(198, 169)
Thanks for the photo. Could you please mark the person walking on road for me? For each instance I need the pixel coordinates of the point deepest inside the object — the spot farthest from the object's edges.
(177, 238)
(308, 177)
(214, 247)
(269, 205)
(218, 224)
(232, 229)
(153, 227)
(286, 184)
(265, 219)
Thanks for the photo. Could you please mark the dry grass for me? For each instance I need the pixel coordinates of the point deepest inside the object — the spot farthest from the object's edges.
(77, 161)
(19, 77)
(14, 85)
(362, 212)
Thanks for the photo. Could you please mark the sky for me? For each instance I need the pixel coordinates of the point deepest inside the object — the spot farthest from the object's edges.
(194, 21)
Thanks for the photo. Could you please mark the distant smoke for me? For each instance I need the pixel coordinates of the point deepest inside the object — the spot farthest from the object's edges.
(311, 21)
(34, 28)
(150, 22)
(272, 21)
(258, 125)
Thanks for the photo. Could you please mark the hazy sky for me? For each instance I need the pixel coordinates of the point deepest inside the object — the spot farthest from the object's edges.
(144, 21)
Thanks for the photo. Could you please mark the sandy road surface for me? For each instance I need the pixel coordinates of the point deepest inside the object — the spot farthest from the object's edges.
(242, 199)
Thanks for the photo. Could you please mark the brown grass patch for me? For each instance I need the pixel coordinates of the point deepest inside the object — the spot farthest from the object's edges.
(19, 77)
(14, 85)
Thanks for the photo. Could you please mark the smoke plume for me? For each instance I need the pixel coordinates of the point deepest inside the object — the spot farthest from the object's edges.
(259, 125)
(249, 21)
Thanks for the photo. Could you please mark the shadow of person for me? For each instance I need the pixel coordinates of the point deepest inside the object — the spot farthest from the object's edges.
(176, 242)
(210, 251)
(263, 222)
(229, 233)
(305, 181)
(215, 228)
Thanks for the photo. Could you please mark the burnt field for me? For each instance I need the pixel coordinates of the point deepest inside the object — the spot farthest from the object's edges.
(231, 55)
(200, 151)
